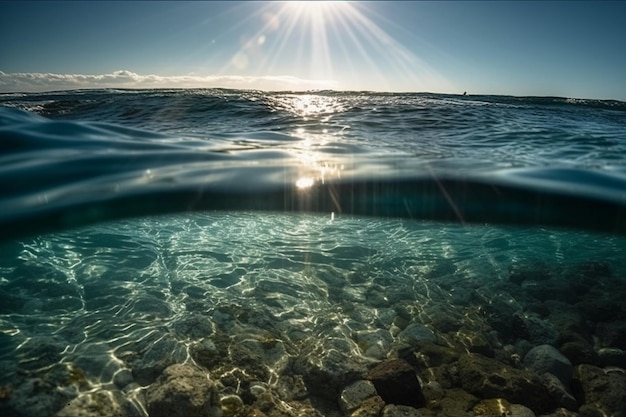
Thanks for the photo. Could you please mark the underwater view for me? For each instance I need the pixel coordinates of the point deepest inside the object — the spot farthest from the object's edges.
(219, 252)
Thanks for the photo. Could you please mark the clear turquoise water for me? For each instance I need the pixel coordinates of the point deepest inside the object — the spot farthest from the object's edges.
(136, 225)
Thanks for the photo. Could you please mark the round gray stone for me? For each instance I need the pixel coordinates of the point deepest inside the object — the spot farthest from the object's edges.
(546, 358)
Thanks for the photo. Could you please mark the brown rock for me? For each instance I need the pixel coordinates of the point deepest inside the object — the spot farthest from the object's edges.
(579, 352)
(488, 378)
(599, 392)
(371, 407)
(100, 403)
(558, 392)
(396, 383)
(456, 403)
(327, 369)
(492, 407)
(472, 341)
(444, 375)
(430, 355)
(181, 391)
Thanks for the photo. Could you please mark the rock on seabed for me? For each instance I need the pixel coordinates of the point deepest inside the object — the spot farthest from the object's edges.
(487, 378)
(183, 391)
(396, 382)
(546, 358)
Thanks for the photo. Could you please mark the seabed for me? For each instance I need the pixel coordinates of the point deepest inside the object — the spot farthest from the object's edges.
(247, 315)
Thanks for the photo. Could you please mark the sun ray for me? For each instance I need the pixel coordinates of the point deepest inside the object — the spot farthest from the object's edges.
(331, 41)
(284, 37)
(347, 28)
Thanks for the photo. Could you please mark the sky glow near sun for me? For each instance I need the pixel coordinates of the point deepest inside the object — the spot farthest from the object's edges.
(282, 46)
(336, 44)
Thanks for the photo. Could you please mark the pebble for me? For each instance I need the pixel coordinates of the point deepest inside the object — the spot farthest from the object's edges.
(612, 357)
(257, 388)
(518, 410)
(122, 378)
(433, 391)
(354, 394)
(231, 405)
(416, 333)
(392, 410)
(374, 344)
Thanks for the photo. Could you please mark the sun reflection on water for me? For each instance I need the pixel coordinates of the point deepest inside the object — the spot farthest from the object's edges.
(317, 107)
(318, 160)
(304, 182)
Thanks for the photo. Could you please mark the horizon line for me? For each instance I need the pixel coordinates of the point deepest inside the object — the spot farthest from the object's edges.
(311, 91)
(38, 82)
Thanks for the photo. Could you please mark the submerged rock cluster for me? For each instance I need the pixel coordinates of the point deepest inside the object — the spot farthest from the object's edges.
(541, 342)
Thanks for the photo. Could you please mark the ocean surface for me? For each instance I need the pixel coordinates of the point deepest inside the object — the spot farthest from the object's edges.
(145, 228)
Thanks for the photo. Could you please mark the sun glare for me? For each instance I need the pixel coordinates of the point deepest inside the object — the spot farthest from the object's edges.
(314, 7)
(333, 45)
(305, 182)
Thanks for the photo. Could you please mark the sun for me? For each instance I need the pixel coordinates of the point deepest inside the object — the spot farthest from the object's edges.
(316, 13)
(315, 24)
(339, 44)
(315, 7)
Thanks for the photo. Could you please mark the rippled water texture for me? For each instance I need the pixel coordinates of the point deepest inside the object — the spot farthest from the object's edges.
(114, 304)
(281, 245)
(465, 159)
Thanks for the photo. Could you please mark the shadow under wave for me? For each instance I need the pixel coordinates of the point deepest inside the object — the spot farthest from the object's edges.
(435, 198)
(60, 175)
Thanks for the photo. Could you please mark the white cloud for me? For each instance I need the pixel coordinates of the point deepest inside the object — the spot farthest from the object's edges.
(37, 82)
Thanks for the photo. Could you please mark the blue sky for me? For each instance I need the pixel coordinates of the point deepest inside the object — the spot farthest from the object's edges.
(571, 49)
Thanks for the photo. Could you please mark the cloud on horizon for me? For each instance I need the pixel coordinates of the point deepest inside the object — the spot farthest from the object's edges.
(39, 82)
